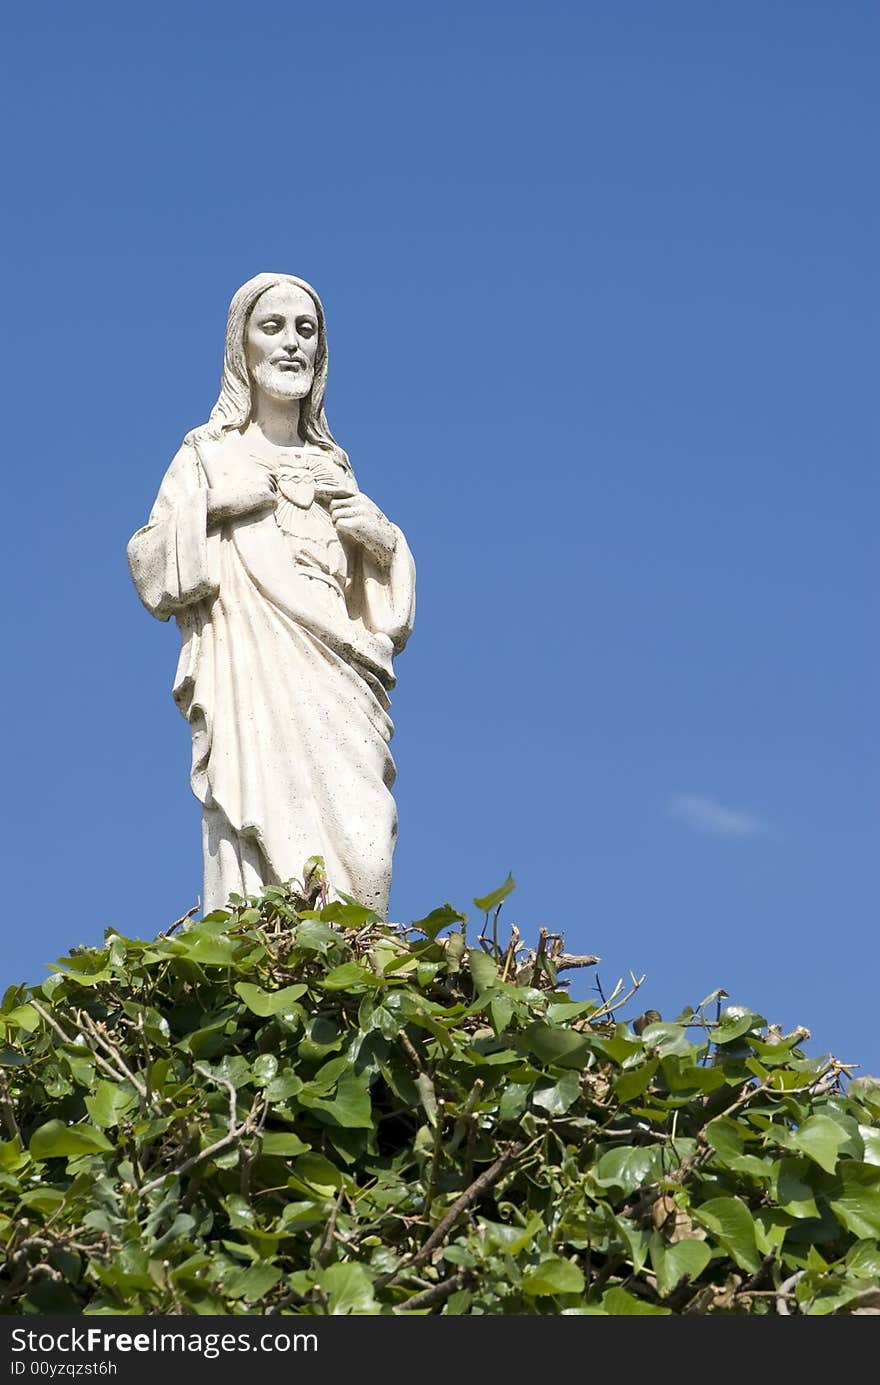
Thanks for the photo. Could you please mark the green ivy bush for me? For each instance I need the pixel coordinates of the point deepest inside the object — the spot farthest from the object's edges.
(295, 1108)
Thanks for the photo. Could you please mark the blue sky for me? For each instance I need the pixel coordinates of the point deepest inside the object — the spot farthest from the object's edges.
(601, 291)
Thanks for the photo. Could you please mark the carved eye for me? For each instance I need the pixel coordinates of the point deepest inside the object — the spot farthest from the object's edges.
(306, 327)
(271, 325)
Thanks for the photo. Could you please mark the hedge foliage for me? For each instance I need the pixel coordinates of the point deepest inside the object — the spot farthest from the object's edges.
(295, 1108)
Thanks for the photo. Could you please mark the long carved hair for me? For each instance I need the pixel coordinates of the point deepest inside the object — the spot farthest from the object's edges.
(233, 407)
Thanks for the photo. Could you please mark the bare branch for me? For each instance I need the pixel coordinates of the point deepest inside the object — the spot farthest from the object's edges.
(325, 1249)
(431, 1190)
(785, 1291)
(568, 961)
(7, 1110)
(247, 1127)
(184, 918)
(409, 1048)
(68, 1039)
(479, 1186)
(466, 1115)
(438, 1293)
(222, 1082)
(99, 1034)
(538, 964)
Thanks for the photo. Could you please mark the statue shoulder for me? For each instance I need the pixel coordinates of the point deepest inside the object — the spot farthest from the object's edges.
(184, 473)
(200, 445)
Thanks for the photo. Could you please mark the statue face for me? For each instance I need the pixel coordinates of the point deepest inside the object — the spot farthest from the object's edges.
(281, 342)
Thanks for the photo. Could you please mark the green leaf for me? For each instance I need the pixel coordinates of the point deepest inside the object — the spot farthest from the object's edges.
(619, 1046)
(771, 1228)
(820, 1138)
(734, 1023)
(77, 978)
(219, 919)
(794, 1192)
(455, 949)
(508, 1238)
(319, 1173)
(634, 1081)
(202, 946)
(349, 976)
(252, 1284)
(25, 1017)
(9, 1058)
(235, 1069)
(109, 1103)
(286, 1144)
(682, 1074)
(492, 900)
(327, 1076)
(351, 1107)
(314, 936)
(667, 1038)
(324, 1036)
(730, 1222)
(726, 1137)
(216, 924)
(284, 1086)
(484, 969)
(500, 1012)
(265, 1068)
(672, 1263)
(553, 1276)
(563, 1047)
(866, 1089)
(11, 1156)
(621, 1304)
(266, 1003)
(302, 1213)
(629, 1167)
(863, 1259)
(45, 1200)
(561, 1096)
(349, 1289)
(348, 913)
(55, 1140)
(855, 1201)
(400, 964)
(380, 1017)
(564, 1011)
(513, 1101)
(871, 1142)
(439, 919)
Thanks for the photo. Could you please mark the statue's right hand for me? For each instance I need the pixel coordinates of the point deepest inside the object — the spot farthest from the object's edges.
(227, 502)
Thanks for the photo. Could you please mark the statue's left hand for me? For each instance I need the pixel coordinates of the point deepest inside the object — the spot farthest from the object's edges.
(356, 517)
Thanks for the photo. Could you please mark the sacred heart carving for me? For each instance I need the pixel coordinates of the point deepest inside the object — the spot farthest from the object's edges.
(297, 486)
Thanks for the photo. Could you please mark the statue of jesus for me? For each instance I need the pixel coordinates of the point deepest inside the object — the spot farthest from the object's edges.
(292, 591)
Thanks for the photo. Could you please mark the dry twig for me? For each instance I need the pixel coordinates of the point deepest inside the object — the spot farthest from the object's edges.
(184, 918)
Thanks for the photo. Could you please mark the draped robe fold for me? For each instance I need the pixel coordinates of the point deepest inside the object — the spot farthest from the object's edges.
(283, 677)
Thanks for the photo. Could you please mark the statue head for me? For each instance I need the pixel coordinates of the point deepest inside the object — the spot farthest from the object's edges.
(254, 356)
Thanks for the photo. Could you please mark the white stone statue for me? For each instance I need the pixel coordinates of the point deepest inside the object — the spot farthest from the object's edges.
(292, 592)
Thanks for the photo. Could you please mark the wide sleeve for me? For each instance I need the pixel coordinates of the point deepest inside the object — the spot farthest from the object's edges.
(384, 599)
(168, 557)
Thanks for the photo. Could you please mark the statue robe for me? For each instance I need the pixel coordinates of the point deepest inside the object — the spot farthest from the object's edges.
(284, 675)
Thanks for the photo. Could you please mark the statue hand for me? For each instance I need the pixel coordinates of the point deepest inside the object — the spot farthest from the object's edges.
(356, 517)
(227, 502)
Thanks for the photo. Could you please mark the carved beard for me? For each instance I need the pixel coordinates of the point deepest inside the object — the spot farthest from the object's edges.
(284, 384)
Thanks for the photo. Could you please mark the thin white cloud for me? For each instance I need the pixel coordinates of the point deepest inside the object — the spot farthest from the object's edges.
(707, 815)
